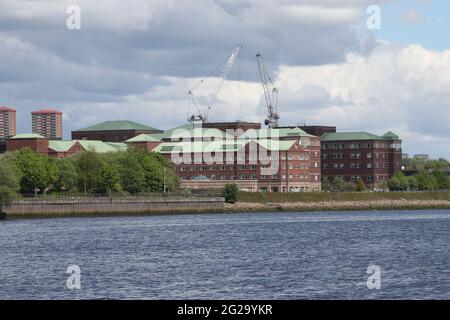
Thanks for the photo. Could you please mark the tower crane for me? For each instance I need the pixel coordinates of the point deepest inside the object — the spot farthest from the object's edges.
(203, 112)
(270, 94)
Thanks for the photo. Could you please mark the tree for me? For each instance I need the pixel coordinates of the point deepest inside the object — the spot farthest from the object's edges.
(443, 182)
(361, 186)
(87, 164)
(229, 192)
(108, 179)
(39, 172)
(426, 181)
(9, 184)
(131, 172)
(412, 183)
(67, 175)
(398, 182)
(158, 172)
(338, 184)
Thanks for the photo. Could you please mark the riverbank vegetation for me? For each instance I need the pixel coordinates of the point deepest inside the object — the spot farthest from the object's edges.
(130, 172)
(280, 197)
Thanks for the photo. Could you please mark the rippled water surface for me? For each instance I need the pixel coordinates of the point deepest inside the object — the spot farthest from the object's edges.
(229, 256)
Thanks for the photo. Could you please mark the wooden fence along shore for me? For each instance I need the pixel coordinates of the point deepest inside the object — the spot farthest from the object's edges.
(111, 206)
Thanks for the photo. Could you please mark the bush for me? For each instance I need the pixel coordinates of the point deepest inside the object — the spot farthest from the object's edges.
(361, 186)
(229, 192)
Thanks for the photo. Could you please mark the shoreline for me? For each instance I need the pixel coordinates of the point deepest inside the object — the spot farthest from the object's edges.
(338, 206)
(251, 207)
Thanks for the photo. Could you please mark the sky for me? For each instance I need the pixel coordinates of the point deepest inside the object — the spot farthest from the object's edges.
(137, 60)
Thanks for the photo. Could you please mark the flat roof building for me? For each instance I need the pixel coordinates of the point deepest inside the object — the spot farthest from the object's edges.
(47, 123)
(355, 156)
(113, 131)
(7, 122)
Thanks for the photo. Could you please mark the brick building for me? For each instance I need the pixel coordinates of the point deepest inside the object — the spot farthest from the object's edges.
(35, 142)
(267, 160)
(7, 122)
(360, 155)
(47, 123)
(60, 148)
(113, 131)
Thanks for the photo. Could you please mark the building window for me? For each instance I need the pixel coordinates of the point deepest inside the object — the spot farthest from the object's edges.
(369, 166)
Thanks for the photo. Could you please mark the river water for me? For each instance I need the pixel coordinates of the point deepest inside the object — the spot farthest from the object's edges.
(229, 256)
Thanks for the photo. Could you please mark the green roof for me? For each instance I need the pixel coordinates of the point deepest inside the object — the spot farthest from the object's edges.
(61, 146)
(28, 136)
(276, 145)
(119, 125)
(348, 136)
(146, 138)
(199, 146)
(100, 146)
(274, 133)
(119, 146)
(390, 135)
(183, 132)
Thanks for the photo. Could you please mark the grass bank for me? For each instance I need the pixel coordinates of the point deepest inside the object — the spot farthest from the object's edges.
(348, 201)
(263, 198)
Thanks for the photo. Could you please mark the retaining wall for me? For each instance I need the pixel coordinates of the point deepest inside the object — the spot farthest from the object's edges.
(68, 207)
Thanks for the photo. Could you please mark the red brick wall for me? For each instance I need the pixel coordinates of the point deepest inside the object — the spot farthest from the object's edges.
(37, 145)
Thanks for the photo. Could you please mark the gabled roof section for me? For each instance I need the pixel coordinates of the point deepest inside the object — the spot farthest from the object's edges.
(27, 136)
(274, 133)
(276, 145)
(182, 132)
(119, 125)
(146, 138)
(349, 136)
(390, 136)
(100, 146)
(61, 146)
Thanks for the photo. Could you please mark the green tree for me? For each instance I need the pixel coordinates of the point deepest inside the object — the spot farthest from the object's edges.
(426, 181)
(39, 172)
(9, 184)
(412, 183)
(131, 172)
(229, 192)
(158, 172)
(443, 182)
(338, 184)
(108, 179)
(87, 164)
(67, 175)
(398, 182)
(361, 186)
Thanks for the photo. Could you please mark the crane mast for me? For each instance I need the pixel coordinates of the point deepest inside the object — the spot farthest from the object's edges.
(270, 94)
(203, 116)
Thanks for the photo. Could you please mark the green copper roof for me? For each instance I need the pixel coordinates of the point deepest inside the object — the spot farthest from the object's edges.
(119, 146)
(61, 146)
(391, 136)
(28, 136)
(100, 146)
(274, 133)
(344, 136)
(276, 145)
(146, 138)
(119, 125)
(183, 132)
(348, 136)
(200, 146)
